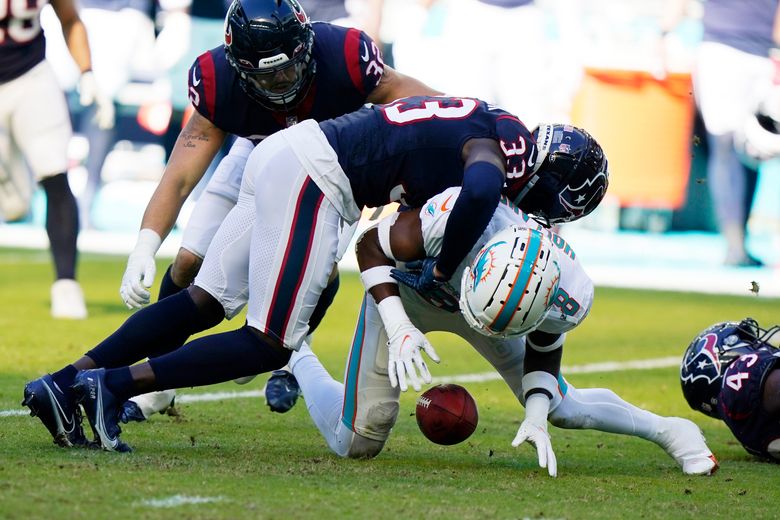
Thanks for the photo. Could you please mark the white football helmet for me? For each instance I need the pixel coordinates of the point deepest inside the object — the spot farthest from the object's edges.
(511, 283)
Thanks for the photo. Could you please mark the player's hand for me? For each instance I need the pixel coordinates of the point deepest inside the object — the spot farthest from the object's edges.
(421, 276)
(405, 358)
(89, 94)
(140, 271)
(138, 278)
(534, 430)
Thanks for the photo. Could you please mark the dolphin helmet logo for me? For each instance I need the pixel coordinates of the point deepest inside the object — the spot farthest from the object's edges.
(484, 264)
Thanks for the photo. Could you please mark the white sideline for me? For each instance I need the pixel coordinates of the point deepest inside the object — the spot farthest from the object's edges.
(589, 368)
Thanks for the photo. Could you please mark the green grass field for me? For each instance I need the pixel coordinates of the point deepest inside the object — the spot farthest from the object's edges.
(245, 462)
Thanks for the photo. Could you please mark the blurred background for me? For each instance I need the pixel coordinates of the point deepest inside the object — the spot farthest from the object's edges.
(622, 69)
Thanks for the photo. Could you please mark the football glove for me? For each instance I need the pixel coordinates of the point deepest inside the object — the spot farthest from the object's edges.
(140, 271)
(534, 430)
(420, 277)
(404, 345)
(90, 94)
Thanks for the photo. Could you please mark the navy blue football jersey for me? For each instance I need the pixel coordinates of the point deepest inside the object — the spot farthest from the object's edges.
(22, 45)
(349, 67)
(411, 149)
(740, 402)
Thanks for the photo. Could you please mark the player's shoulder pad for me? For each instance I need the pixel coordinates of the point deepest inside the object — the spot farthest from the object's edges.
(202, 81)
(353, 52)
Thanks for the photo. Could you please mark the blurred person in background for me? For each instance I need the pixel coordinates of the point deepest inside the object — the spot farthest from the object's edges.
(122, 34)
(35, 130)
(732, 73)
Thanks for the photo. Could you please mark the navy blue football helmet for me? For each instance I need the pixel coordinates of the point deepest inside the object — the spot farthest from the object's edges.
(269, 44)
(709, 355)
(569, 175)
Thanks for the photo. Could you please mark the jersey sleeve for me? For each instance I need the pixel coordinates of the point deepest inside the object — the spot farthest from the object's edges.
(574, 297)
(202, 85)
(433, 219)
(363, 60)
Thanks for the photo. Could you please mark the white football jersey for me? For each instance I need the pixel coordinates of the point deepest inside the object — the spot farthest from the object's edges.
(575, 290)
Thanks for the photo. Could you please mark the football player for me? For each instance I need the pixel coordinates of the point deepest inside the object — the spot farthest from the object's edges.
(731, 371)
(301, 188)
(274, 69)
(35, 131)
(520, 333)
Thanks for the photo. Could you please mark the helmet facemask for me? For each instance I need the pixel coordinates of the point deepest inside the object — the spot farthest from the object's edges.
(269, 44)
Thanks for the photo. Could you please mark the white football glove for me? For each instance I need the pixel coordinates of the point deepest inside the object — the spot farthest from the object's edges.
(89, 94)
(404, 345)
(140, 271)
(534, 430)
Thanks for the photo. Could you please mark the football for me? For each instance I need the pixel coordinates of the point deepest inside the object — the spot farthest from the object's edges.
(447, 414)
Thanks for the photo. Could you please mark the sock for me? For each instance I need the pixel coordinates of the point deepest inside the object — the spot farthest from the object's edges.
(64, 377)
(62, 224)
(217, 358)
(120, 382)
(603, 410)
(167, 285)
(153, 331)
(324, 397)
(326, 298)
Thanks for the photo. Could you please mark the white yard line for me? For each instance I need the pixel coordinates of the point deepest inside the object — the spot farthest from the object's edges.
(590, 368)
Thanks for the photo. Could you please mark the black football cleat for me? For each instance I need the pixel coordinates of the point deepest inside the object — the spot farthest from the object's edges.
(57, 412)
(102, 408)
(281, 391)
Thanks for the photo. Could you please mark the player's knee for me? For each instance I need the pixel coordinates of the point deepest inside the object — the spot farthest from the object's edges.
(210, 308)
(185, 266)
(364, 448)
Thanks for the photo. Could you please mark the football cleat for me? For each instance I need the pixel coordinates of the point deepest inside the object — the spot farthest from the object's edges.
(281, 391)
(101, 407)
(60, 415)
(684, 442)
(143, 406)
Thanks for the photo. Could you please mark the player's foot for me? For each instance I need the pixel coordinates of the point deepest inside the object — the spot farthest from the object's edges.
(143, 406)
(67, 300)
(281, 391)
(101, 407)
(57, 412)
(684, 442)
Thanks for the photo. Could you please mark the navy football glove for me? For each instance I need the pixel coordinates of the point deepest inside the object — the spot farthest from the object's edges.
(419, 276)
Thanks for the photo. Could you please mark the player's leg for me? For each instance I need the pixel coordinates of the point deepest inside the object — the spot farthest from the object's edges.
(602, 409)
(15, 181)
(41, 127)
(293, 248)
(354, 417)
(219, 197)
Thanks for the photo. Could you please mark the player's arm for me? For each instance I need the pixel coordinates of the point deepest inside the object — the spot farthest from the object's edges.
(483, 177)
(771, 397)
(194, 150)
(540, 382)
(398, 237)
(74, 32)
(395, 85)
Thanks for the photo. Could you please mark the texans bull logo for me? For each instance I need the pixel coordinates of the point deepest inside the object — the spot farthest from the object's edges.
(577, 201)
(702, 363)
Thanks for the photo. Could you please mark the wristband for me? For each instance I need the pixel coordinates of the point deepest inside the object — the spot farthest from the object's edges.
(376, 276)
(393, 314)
(539, 382)
(537, 407)
(383, 230)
